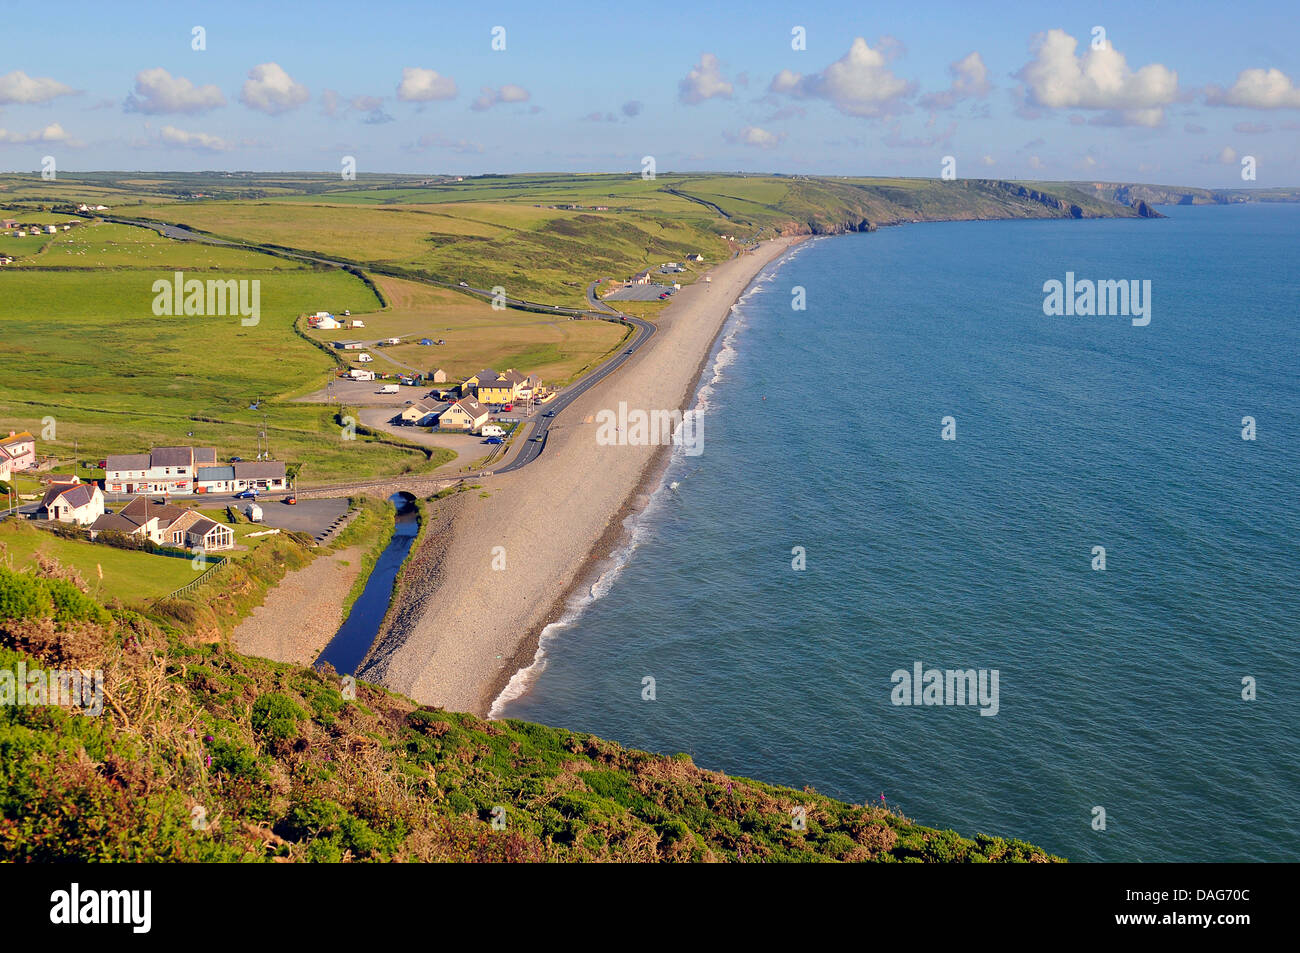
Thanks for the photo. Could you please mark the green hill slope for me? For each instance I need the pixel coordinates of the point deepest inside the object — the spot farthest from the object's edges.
(202, 754)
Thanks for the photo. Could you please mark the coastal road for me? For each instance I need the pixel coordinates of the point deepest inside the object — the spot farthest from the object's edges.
(536, 439)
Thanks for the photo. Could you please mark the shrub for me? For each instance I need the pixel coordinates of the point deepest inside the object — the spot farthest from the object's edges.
(276, 716)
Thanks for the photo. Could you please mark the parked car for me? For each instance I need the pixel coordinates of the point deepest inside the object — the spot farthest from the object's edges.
(464, 284)
(291, 499)
(508, 407)
(246, 495)
(236, 459)
(662, 296)
(494, 440)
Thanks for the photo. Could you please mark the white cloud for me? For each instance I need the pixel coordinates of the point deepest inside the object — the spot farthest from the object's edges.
(157, 91)
(756, 137)
(1099, 79)
(271, 90)
(18, 87)
(1036, 163)
(1257, 89)
(51, 133)
(424, 85)
(200, 141)
(987, 160)
(704, 81)
(858, 84)
(970, 80)
(1227, 156)
(489, 97)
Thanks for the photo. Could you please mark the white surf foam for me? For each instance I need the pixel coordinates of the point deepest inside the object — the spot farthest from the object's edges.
(639, 524)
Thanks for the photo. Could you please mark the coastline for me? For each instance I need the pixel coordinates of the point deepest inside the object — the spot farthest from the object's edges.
(445, 648)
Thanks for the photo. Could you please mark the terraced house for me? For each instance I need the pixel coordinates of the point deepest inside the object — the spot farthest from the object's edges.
(242, 475)
(161, 470)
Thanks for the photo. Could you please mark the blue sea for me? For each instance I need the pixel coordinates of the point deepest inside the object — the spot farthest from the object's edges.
(1120, 689)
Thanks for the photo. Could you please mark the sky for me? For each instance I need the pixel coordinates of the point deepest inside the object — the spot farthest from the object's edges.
(1173, 93)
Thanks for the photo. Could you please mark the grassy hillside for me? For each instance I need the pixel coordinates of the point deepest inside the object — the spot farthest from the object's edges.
(205, 755)
(76, 306)
(543, 237)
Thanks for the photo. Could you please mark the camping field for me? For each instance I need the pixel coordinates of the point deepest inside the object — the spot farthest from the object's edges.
(555, 348)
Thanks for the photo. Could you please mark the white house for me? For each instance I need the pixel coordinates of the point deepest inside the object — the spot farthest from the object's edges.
(243, 475)
(161, 470)
(76, 502)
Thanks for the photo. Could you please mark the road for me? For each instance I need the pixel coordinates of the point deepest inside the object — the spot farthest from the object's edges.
(536, 439)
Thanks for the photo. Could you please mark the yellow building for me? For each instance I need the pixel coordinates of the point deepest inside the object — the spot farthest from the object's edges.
(490, 387)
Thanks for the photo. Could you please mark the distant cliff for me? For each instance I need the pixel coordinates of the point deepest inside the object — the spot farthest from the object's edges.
(1144, 195)
(831, 206)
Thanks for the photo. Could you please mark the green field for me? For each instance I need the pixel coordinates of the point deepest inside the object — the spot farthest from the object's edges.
(116, 378)
(127, 575)
(85, 349)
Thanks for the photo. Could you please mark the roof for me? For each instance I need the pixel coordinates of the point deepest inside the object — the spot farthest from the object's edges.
(171, 457)
(204, 455)
(202, 526)
(142, 509)
(470, 406)
(260, 470)
(21, 437)
(215, 473)
(115, 522)
(74, 494)
(127, 461)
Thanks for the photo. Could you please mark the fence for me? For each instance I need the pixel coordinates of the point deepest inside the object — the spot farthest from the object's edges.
(207, 575)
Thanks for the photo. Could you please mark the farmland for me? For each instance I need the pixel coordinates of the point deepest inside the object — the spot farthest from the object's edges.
(89, 353)
(93, 367)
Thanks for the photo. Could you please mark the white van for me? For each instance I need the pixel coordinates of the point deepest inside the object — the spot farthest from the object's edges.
(492, 430)
(389, 389)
